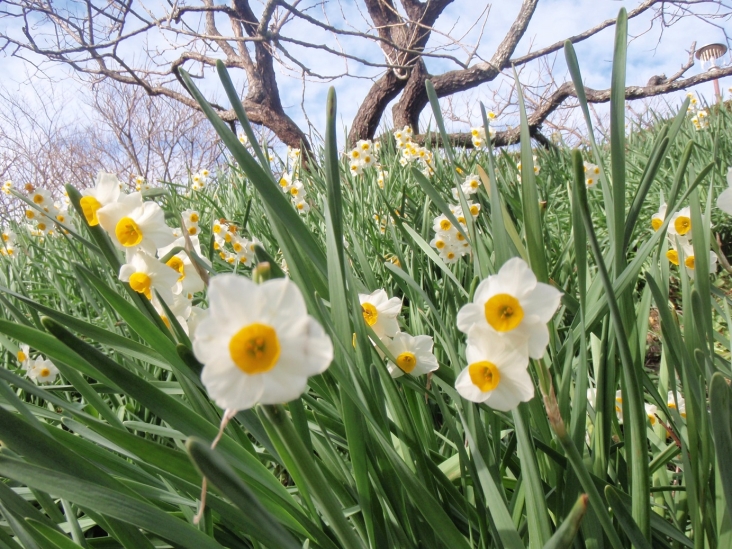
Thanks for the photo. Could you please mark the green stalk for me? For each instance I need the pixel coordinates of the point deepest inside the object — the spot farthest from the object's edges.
(640, 477)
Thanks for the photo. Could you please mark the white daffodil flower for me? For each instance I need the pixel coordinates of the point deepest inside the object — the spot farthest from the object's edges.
(23, 356)
(471, 185)
(381, 313)
(144, 273)
(179, 305)
(678, 403)
(195, 317)
(651, 411)
(7, 236)
(188, 277)
(285, 182)
(257, 343)
(690, 262)
(513, 302)
(413, 355)
(105, 191)
(297, 190)
(658, 217)
(41, 198)
(681, 223)
(42, 371)
(302, 207)
(190, 221)
(132, 223)
(497, 372)
(724, 200)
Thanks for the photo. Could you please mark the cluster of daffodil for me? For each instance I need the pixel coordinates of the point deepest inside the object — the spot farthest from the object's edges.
(7, 186)
(295, 188)
(592, 175)
(46, 212)
(138, 228)
(7, 245)
(141, 184)
(190, 220)
(243, 248)
(699, 116)
(679, 235)
(537, 168)
(39, 369)
(200, 180)
(412, 354)
(673, 401)
(478, 136)
(364, 155)
(506, 324)
(411, 152)
(469, 186)
(449, 239)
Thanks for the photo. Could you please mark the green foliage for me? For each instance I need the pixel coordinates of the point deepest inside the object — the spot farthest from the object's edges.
(112, 454)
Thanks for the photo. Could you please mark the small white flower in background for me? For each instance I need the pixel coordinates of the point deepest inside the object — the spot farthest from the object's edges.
(381, 313)
(679, 403)
(497, 372)
(592, 175)
(471, 184)
(285, 182)
(681, 223)
(651, 411)
(658, 217)
(23, 355)
(381, 175)
(690, 262)
(141, 184)
(205, 173)
(257, 343)
(188, 277)
(42, 371)
(724, 200)
(131, 223)
(356, 167)
(413, 355)
(190, 221)
(106, 191)
(243, 139)
(302, 207)
(619, 405)
(297, 190)
(41, 198)
(7, 236)
(512, 302)
(180, 306)
(7, 186)
(364, 145)
(293, 154)
(144, 273)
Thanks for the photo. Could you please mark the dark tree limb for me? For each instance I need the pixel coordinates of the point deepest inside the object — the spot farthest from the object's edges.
(567, 91)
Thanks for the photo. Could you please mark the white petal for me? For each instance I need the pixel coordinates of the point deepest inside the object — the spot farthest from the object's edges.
(724, 201)
(469, 315)
(232, 390)
(234, 300)
(542, 302)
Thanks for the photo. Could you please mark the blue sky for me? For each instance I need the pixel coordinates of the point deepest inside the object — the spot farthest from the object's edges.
(650, 52)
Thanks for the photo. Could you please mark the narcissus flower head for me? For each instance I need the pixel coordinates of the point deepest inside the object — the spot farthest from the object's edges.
(497, 372)
(42, 371)
(380, 312)
(512, 302)
(413, 355)
(132, 223)
(146, 274)
(658, 217)
(257, 343)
